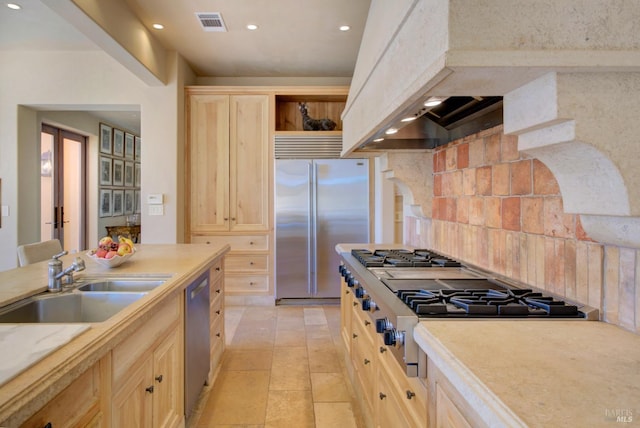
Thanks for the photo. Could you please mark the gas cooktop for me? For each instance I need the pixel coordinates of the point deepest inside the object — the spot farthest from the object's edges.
(402, 258)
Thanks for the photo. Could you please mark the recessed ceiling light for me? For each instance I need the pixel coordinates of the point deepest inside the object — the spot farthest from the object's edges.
(252, 27)
(432, 102)
(377, 140)
(391, 131)
(344, 28)
(408, 119)
(158, 26)
(13, 6)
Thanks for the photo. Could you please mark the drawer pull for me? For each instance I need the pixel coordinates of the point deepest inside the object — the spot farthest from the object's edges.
(382, 396)
(410, 394)
(233, 219)
(383, 349)
(366, 361)
(159, 378)
(218, 291)
(355, 303)
(149, 389)
(208, 242)
(218, 334)
(218, 268)
(346, 292)
(367, 322)
(251, 263)
(218, 312)
(355, 335)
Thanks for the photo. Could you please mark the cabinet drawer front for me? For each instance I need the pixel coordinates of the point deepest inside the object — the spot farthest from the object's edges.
(247, 263)
(140, 341)
(217, 270)
(246, 283)
(76, 403)
(237, 243)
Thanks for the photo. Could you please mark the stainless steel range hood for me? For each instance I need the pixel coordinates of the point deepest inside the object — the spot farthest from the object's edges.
(454, 118)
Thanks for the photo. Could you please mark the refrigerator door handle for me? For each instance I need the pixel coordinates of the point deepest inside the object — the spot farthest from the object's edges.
(314, 228)
(311, 241)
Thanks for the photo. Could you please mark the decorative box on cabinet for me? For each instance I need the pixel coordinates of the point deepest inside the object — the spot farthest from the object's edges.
(319, 106)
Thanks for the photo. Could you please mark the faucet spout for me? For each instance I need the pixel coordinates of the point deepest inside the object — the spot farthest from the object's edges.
(56, 273)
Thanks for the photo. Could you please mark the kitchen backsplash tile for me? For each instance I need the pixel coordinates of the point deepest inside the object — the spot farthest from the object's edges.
(502, 211)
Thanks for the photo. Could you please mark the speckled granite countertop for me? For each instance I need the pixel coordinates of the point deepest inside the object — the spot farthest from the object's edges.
(539, 373)
(66, 350)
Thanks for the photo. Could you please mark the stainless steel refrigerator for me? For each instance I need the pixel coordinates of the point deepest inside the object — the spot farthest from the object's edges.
(319, 203)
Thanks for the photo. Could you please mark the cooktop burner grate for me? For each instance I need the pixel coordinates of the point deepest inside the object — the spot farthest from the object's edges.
(486, 303)
(403, 258)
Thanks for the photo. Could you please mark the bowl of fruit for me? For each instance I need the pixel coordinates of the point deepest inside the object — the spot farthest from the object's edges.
(112, 253)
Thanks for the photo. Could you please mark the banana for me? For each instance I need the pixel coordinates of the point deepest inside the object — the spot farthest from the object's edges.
(125, 240)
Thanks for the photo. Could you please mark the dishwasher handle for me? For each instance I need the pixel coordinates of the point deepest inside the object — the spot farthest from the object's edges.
(199, 289)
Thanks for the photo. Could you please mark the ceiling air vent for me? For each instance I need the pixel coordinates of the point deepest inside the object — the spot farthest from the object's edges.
(211, 21)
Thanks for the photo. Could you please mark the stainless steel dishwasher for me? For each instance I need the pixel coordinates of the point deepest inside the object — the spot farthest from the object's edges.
(197, 342)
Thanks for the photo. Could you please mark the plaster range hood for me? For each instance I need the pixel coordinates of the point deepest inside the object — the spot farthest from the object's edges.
(454, 118)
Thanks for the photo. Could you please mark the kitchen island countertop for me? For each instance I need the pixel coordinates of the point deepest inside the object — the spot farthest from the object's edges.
(78, 346)
(541, 373)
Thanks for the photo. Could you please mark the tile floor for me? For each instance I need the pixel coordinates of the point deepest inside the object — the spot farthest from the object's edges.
(283, 367)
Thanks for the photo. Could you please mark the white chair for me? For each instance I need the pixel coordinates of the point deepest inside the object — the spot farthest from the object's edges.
(32, 253)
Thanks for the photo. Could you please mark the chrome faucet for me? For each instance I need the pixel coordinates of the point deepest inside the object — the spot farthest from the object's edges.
(56, 273)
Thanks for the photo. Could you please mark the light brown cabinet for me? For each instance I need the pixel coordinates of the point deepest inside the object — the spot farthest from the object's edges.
(81, 404)
(216, 318)
(228, 162)
(387, 396)
(148, 373)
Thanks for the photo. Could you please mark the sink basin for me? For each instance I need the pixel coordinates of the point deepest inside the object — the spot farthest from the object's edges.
(68, 308)
(120, 285)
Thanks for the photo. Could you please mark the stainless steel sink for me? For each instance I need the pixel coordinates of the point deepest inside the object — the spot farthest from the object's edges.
(121, 285)
(68, 307)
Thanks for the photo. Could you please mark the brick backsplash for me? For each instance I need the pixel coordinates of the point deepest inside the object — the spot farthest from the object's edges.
(502, 211)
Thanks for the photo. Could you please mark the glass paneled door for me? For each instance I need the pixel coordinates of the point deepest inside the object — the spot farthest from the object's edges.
(62, 189)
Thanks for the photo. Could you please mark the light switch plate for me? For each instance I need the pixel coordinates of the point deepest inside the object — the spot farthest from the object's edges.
(155, 199)
(156, 209)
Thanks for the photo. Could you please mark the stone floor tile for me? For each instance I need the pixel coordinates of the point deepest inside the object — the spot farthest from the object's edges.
(329, 387)
(247, 359)
(314, 316)
(288, 409)
(332, 415)
(237, 397)
(290, 338)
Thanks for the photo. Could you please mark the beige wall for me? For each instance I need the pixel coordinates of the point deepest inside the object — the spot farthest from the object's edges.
(502, 211)
(32, 81)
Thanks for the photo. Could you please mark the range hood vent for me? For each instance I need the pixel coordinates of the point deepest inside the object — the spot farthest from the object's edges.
(454, 118)
(211, 21)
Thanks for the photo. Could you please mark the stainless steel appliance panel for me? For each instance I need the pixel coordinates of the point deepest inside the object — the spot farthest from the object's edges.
(197, 342)
(293, 228)
(319, 203)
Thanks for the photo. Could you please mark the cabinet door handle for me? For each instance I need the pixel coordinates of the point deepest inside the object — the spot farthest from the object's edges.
(355, 303)
(346, 292)
(366, 361)
(149, 389)
(382, 396)
(233, 219)
(367, 322)
(226, 219)
(159, 378)
(355, 335)
(48, 425)
(383, 349)
(410, 394)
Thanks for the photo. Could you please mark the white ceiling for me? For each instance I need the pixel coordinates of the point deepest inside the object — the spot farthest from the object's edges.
(295, 38)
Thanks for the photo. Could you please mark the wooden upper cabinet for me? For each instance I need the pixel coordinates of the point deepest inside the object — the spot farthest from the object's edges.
(228, 163)
(249, 162)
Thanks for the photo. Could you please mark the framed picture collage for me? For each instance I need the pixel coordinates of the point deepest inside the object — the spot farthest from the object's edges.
(119, 172)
